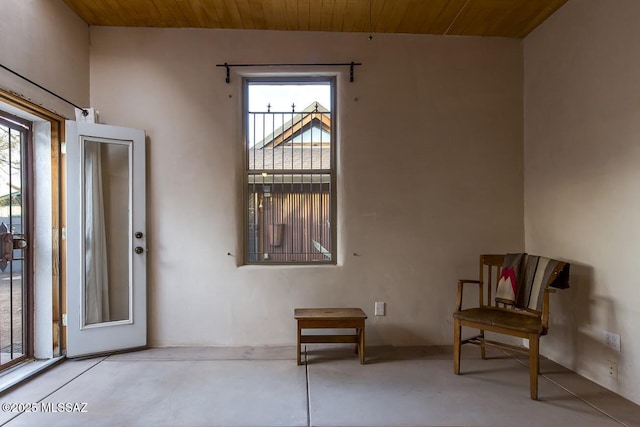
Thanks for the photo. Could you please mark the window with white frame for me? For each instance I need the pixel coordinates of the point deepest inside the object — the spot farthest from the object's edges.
(290, 144)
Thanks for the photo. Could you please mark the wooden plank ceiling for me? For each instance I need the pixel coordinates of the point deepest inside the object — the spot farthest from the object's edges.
(487, 18)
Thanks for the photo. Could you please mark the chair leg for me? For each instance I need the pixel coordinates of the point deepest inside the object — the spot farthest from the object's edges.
(483, 352)
(457, 333)
(534, 364)
(299, 347)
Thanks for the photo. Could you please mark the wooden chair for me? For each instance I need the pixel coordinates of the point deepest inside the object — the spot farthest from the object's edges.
(498, 317)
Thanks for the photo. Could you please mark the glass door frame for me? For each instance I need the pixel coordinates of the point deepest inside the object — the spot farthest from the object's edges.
(48, 223)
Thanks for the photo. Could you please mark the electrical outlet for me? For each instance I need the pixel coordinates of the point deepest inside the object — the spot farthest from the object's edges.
(612, 340)
(613, 369)
(379, 309)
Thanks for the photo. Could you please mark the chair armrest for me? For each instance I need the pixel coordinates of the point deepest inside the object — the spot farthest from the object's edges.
(461, 284)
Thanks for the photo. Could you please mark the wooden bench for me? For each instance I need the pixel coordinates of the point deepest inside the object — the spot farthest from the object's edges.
(330, 318)
(529, 321)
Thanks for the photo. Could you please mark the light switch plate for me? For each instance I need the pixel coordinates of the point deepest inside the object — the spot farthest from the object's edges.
(379, 308)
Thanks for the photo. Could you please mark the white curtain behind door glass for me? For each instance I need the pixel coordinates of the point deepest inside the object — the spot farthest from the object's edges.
(96, 268)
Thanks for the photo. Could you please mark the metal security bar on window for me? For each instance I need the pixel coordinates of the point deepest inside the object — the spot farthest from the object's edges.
(289, 177)
(13, 267)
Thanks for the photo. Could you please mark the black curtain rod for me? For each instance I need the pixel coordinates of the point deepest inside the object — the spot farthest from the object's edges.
(331, 64)
(84, 112)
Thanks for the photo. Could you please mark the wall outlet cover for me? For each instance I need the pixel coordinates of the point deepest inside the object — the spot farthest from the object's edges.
(613, 369)
(612, 340)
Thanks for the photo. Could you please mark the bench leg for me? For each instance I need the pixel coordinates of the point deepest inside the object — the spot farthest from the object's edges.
(483, 351)
(457, 330)
(534, 364)
(356, 348)
(361, 345)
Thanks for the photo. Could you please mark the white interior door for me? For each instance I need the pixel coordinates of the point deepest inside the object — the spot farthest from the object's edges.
(106, 235)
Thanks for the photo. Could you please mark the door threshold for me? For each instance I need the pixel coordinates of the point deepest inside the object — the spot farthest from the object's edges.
(24, 371)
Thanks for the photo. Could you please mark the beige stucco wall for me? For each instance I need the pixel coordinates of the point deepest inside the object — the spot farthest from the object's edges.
(47, 43)
(430, 175)
(582, 122)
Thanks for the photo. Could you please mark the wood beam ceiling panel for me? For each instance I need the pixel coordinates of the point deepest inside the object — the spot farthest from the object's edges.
(303, 8)
(357, 16)
(273, 12)
(170, 13)
(495, 18)
(414, 16)
(186, 11)
(231, 15)
(89, 12)
(376, 11)
(315, 15)
(502, 18)
(115, 12)
(278, 16)
(221, 13)
(438, 16)
(545, 11)
(339, 11)
(247, 14)
(141, 12)
(389, 17)
(325, 9)
(291, 13)
(259, 21)
(205, 13)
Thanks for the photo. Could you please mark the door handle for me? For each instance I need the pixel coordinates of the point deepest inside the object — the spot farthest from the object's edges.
(6, 247)
(139, 249)
(9, 242)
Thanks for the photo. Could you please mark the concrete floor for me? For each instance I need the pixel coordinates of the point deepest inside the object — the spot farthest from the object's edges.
(264, 387)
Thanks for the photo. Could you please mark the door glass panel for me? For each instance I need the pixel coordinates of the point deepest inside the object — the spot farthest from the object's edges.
(107, 231)
(13, 295)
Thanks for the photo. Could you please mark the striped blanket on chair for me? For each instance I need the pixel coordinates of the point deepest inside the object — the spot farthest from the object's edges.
(524, 277)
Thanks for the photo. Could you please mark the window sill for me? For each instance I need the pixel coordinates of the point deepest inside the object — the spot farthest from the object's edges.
(289, 266)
